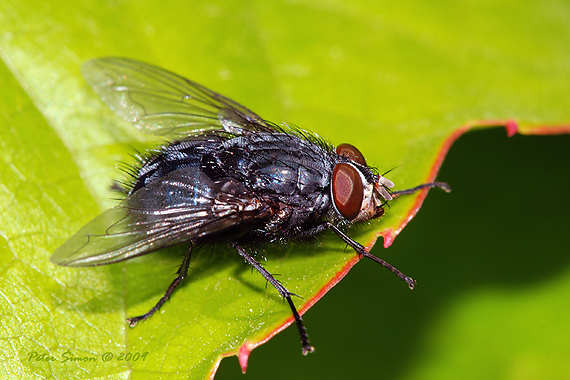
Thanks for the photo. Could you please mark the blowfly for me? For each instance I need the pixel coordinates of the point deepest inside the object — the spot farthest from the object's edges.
(229, 175)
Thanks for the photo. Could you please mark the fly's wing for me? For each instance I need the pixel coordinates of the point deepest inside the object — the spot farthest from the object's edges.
(165, 104)
(183, 206)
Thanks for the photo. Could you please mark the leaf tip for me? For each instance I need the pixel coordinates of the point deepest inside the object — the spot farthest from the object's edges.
(389, 235)
(512, 128)
(243, 356)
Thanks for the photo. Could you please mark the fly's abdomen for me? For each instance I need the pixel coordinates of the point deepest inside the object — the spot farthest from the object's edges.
(178, 155)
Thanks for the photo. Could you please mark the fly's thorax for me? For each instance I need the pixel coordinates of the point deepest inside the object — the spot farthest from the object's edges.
(277, 163)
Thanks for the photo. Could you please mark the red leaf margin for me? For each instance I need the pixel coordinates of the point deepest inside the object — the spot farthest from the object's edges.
(389, 234)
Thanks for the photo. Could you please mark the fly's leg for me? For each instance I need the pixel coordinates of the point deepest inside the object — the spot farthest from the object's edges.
(182, 273)
(357, 247)
(360, 249)
(362, 252)
(306, 347)
(430, 185)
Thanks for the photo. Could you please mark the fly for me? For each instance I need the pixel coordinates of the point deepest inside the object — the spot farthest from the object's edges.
(229, 175)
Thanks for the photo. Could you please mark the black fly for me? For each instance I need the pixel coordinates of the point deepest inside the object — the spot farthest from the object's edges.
(229, 175)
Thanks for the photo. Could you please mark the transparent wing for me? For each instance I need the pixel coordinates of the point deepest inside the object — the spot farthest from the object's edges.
(183, 206)
(163, 103)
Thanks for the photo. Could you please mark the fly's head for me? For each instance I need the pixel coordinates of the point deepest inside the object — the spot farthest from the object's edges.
(358, 194)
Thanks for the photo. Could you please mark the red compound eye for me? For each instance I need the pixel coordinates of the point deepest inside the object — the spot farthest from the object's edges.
(347, 190)
(351, 152)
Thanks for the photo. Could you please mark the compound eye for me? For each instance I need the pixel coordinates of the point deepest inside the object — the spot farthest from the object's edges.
(351, 152)
(347, 190)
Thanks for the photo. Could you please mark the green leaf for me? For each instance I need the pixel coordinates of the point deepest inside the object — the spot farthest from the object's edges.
(395, 80)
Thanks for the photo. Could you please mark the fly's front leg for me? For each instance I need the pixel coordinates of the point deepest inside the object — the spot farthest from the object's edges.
(182, 274)
(362, 252)
(306, 347)
(358, 247)
(442, 185)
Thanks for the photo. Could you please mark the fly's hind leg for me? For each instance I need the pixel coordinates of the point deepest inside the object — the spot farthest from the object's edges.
(306, 347)
(182, 273)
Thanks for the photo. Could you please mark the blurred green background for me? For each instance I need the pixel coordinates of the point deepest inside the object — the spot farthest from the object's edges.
(394, 79)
